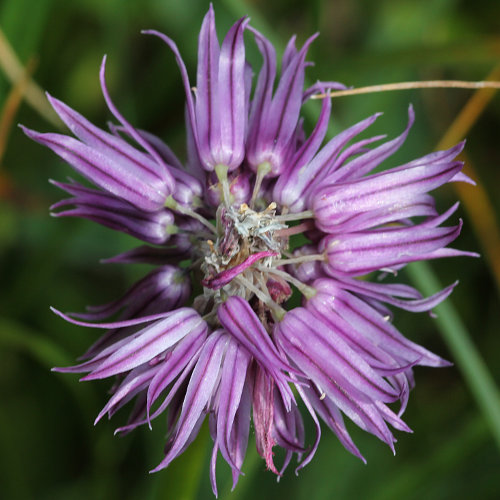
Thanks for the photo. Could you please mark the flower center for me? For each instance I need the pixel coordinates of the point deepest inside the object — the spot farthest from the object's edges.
(246, 243)
(247, 256)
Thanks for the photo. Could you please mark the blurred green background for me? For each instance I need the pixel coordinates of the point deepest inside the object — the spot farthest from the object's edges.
(49, 448)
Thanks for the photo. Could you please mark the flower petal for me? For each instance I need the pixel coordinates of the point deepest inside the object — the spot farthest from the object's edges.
(152, 341)
(198, 393)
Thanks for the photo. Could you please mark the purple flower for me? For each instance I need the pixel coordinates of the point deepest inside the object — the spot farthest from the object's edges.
(238, 352)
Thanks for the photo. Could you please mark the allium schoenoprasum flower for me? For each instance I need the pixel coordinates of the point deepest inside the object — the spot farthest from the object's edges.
(259, 213)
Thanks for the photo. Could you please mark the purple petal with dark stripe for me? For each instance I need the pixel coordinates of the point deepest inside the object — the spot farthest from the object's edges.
(233, 376)
(263, 90)
(331, 415)
(240, 321)
(175, 363)
(109, 211)
(338, 202)
(304, 332)
(168, 180)
(109, 144)
(152, 341)
(232, 97)
(362, 165)
(198, 393)
(377, 330)
(285, 191)
(315, 171)
(355, 254)
(107, 172)
(207, 104)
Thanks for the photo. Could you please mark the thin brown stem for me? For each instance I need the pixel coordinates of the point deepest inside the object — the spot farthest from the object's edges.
(430, 84)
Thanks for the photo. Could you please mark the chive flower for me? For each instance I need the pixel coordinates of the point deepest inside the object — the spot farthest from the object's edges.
(262, 213)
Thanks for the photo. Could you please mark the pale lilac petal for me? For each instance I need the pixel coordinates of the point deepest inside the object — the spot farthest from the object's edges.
(337, 202)
(359, 253)
(310, 455)
(207, 102)
(240, 321)
(289, 53)
(420, 206)
(321, 88)
(148, 255)
(152, 341)
(282, 115)
(107, 172)
(107, 143)
(309, 342)
(241, 430)
(285, 191)
(134, 382)
(333, 418)
(114, 213)
(198, 393)
(232, 96)
(187, 186)
(374, 327)
(184, 75)
(316, 170)
(166, 285)
(264, 89)
(233, 376)
(175, 362)
(168, 180)
(365, 163)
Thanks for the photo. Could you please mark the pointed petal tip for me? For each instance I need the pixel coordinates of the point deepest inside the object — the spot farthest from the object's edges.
(443, 363)
(159, 467)
(54, 102)
(312, 37)
(29, 132)
(98, 418)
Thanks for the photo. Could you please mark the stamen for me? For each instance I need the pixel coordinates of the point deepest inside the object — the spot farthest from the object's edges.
(301, 259)
(290, 231)
(262, 170)
(307, 214)
(270, 208)
(173, 205)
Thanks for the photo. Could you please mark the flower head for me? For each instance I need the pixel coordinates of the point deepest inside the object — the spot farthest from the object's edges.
(238, 351)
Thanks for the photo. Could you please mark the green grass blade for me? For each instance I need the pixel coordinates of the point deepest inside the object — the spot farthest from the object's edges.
(465, 354)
